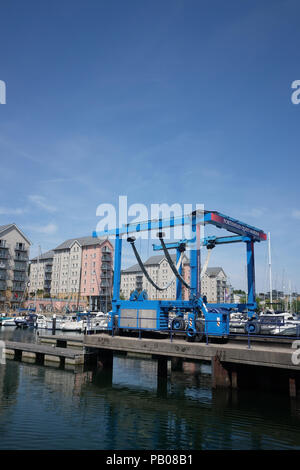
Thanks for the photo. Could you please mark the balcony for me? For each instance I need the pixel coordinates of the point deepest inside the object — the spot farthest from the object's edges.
(104, 292)
(4, 254)
(19, 277)
(18, 286)
(105, 284)
(106, 257)
(106, 267)
(21, 247)
(21, 258)
(2, 285)
(19, 267)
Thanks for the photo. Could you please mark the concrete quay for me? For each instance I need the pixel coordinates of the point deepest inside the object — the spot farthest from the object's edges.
(33, 352)
(233, 364)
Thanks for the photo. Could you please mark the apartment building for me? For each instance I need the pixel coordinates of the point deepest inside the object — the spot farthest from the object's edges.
(14, 259)
(97, 275)
(159, 270)
(41, 273)
(213, 285)
(82, 267)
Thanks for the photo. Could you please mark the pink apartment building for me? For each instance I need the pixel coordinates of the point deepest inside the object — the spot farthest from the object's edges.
(97, 275)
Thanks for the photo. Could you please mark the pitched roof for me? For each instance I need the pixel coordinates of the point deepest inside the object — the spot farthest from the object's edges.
(46, 255)
(214, 271)
(83, 241)
(3, 228)
(152, 261)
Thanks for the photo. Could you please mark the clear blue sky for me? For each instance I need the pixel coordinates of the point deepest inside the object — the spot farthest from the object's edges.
(184, 101)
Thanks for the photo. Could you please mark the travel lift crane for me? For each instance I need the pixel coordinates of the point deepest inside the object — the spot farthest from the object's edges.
(204, 319)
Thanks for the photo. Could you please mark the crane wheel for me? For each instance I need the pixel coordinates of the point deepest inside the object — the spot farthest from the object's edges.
(190, 335)
(178, 324)
(252, 327)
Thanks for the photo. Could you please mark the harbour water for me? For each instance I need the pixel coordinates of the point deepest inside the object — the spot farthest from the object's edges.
(43, 407)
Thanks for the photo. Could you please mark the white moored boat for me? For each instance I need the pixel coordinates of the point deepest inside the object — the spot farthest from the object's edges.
(72, 324)
(8, 321)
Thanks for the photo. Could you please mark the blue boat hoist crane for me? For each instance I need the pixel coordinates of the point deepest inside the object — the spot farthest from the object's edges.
(203, 319)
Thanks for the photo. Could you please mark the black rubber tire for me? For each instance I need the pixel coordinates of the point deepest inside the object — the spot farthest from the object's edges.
(190, 338)
(252, 327)
(178, 320)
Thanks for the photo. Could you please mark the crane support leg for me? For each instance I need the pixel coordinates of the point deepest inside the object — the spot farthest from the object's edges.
(251, 273)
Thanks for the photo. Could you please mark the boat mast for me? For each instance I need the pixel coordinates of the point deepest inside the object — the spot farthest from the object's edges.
(270, 268)
(37, 274)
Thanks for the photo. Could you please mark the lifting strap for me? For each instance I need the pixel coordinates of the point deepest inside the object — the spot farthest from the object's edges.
(131, 241)
(169, 259)
(206, 263)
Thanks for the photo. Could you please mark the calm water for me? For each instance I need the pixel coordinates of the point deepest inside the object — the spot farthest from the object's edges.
(47, 408)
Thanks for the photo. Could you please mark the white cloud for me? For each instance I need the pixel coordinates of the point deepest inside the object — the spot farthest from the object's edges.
(48, 229)
(296, 214)
(11, 211)
(256, 212)
(41, 202)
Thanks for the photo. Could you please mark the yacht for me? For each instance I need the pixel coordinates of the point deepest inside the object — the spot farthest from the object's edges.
(41, 322)
(237, 322)
(288, 325)
(8, 321)
(59, 323)
(98, 323)
(72, 323)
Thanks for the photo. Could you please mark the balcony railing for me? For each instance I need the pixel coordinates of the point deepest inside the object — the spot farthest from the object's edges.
(106, 266)
(21, 258)
(19, 267)
(18, 286)
(21, 247)
(104, 292)
(4, 255)
(105, 284)
(106, 257)
(19, 278)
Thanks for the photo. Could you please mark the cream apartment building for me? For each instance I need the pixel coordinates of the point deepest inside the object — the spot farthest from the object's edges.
(159, 270)
(41, 273)
(213, 286)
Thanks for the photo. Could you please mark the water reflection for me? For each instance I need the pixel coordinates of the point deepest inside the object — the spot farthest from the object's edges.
(47, 408)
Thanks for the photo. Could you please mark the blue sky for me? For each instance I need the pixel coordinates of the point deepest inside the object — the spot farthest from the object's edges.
(163, 101)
